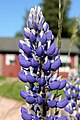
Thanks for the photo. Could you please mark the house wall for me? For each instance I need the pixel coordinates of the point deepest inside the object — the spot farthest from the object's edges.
(1, 64)
(11, 70)
(72, 62)
(73, 66)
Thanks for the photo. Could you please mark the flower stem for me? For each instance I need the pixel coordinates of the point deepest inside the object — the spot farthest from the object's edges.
(44, 105)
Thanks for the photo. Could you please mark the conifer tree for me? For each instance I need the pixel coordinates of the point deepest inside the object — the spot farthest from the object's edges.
(51, 11)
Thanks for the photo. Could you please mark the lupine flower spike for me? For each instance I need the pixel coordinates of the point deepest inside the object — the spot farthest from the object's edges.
(72, 92)
(38, 59)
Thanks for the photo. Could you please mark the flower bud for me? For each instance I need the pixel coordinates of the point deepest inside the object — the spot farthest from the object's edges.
(30, 99)
(55, 85)
(56, 64)
(41, 81)
(52, 103)
(22, 77)
(62, 103)
(39, 51)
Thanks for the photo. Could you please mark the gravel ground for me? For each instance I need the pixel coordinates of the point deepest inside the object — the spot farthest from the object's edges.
(10, 109)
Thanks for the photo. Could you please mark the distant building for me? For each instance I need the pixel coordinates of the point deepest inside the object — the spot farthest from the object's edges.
(69, 63)
(9, 65)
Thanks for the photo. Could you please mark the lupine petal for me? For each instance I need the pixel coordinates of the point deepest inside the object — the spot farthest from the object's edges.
(73, 104)
(34, 63)
(51, 49)
(30, 99)
(40, 100)
(49, 34)
(26, 49)
(45, 26)
(31, 78)
(26, 33)
(75, 95)
(56, 64)
(23, 109)
(54, 85)
(20, 45)
(36, 118)
(40, 26)
(78, 115)
(26, 116)
(41, 81)
(22, 77)
(23, 94)
(52, 103)
(29, 24)
(62, 103)
(23, 62)
(46, 66)
(62, 84)
(39, 51)
(32, 38)
(77, 89)
(68, 110)
(44, 38)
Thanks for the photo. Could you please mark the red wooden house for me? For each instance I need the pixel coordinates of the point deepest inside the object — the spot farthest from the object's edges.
(69, 63)
(9, 65)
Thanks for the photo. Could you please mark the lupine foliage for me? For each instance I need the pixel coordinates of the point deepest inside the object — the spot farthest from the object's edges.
(38, 59)
(72, 92)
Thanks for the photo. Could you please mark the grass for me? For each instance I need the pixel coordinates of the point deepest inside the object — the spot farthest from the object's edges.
(2, 78)
(11, 89)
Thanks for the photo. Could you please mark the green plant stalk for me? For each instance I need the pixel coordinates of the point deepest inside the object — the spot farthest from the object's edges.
(74, 35)
(61, 14)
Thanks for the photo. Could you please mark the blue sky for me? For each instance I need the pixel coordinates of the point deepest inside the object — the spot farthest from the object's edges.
(13, 11)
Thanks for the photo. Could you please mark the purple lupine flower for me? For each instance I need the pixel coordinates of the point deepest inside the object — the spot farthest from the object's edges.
(40, 100)
(55, 85)
(39, 51)
(23, 62)
(41, 81)
(46, 66)
(56, 64)
(30, 99)
(38, 59)
(52, 103)
(23, 94)
(26, 116)
(62, 84)
(72, 93)
(22, 76)
(34, 63)
(62, 103)
(51, 49)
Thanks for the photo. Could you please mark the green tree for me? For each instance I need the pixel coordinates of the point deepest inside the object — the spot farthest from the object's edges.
(18, 34)
(78, 41)
(51, 11)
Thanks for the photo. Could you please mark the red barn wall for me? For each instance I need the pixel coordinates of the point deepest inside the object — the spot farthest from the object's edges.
(72, 62)
(11, 70)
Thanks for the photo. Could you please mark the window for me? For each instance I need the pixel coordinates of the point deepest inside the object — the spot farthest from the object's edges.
(10, 59)
(65, 67)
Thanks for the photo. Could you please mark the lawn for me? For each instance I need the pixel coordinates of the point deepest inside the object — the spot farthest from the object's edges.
(11, 89)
